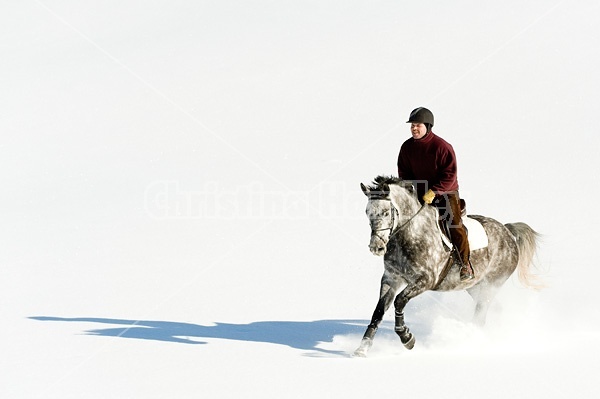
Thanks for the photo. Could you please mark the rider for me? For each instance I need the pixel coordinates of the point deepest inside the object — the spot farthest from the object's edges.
(427, 158)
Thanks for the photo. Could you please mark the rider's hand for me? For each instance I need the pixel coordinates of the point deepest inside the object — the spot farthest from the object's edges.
(428, 197)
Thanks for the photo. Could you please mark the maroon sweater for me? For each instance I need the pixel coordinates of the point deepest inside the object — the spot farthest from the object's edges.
(429, 159)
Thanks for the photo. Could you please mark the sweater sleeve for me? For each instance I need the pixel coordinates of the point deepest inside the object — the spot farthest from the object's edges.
(446, 171)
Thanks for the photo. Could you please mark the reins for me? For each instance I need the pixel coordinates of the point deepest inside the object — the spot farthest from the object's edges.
(408, 221)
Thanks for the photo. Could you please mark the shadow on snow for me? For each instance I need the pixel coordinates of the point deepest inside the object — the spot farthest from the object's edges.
(304, 335)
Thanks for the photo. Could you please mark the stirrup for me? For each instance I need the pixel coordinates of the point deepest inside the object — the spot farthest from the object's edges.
(466, 272)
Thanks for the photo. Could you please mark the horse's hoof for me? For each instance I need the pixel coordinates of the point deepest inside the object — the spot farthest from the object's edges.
(364, 347)
(359, 353)
(410, 343)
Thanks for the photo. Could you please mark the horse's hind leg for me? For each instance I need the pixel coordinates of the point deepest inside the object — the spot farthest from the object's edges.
(386, 295)
(483, 295)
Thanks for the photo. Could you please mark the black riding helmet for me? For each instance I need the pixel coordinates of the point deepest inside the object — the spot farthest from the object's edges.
(421, 115)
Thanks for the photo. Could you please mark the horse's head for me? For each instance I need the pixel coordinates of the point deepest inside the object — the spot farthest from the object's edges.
(389, 203)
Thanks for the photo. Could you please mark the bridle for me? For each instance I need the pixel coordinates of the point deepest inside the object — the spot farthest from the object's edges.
(393, 212)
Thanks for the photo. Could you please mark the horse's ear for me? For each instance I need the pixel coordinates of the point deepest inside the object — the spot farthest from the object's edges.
(365, 189)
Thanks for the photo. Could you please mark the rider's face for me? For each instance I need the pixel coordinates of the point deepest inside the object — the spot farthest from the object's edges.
(418, 130)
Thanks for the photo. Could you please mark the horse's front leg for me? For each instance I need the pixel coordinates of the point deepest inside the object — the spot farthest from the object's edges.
(386, 295)
(411, 291)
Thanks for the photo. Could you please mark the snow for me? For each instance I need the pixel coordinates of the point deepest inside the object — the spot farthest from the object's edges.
(181, 211)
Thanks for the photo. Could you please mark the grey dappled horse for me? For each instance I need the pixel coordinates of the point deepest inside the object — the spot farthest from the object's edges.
(407, 235)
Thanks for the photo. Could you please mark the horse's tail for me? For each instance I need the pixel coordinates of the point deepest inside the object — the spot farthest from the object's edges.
(527, 240)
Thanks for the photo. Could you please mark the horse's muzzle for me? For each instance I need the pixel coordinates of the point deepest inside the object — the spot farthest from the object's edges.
(377, 246)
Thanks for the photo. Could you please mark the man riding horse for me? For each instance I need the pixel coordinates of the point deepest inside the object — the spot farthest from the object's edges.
(430, 162)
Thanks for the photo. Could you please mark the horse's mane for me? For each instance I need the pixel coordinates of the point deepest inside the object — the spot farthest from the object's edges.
(380, 187)
(381, 183)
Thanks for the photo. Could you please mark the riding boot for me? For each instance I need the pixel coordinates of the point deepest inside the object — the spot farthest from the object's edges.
(458, 235)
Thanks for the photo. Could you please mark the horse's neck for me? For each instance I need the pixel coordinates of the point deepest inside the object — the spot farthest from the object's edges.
(420, 226)
(407, 206)
(406, 203)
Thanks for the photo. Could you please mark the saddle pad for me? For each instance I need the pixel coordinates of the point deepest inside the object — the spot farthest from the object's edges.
(478, 239)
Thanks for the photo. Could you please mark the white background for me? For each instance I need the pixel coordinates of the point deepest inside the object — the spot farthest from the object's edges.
(181, 212)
